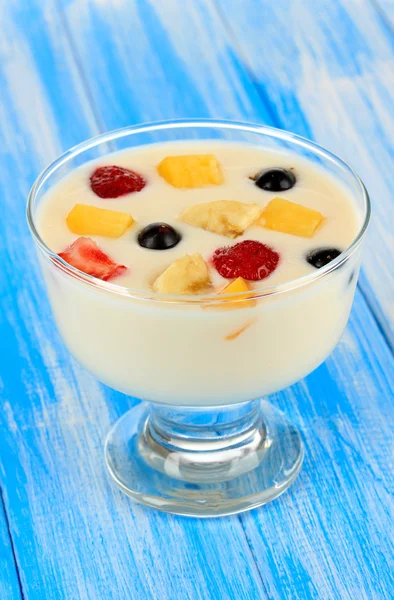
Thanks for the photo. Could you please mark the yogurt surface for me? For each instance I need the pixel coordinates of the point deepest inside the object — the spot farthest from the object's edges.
(161, 202)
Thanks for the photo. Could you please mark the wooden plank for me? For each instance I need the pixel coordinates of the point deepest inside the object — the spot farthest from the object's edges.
(75, 535)
(386, 10)
(9, 582)
(132, 51)
(321, 540)
(327, 70)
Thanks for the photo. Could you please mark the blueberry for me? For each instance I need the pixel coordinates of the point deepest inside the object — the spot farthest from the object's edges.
(158, 236)
(322, 256)
(275, 180)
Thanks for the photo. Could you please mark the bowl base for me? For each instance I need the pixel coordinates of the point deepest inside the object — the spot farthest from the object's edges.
(215, 481)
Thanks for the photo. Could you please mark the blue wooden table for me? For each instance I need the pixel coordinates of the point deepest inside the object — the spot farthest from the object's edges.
(73, 68)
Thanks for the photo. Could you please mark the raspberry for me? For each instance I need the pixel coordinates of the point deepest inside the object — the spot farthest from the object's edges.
(112, 181)
(85, 255)
(249, 259)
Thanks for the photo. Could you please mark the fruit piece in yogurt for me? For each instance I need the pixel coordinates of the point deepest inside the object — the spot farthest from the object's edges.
(85, 255)
(84, 219)
(159, 236)
(191, 171)
(249, 259)
(237, 286)
(111, 181)
(186, 275)
(225, 217)
(322, 256)
(275, 180)
(290, 217)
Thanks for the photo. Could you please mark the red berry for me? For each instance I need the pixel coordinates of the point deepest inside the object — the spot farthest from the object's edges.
(85, 255)
(249, 259)
(112, 181)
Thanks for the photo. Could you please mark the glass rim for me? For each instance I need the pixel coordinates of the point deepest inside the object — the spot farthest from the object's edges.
(211, 298)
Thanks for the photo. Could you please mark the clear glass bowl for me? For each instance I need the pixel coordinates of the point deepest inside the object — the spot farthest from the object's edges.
(203, 443)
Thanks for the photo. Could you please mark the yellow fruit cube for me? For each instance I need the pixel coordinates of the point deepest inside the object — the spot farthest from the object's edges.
(289, 217)
(192, 171)
(236, 286)
(226, 217)
(84, 219)
(186, 275)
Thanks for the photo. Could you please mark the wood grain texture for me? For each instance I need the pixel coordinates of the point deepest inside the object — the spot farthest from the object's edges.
(9, 583)
(100, 65)
(140, 62)
(386, 10)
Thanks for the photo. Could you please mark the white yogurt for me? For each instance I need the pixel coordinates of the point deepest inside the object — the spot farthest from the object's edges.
(187, 355)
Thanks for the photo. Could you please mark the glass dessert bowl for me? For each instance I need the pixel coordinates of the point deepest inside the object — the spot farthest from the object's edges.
(203, 442)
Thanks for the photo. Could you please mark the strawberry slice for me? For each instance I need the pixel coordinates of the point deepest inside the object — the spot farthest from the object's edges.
(112, 181)
(250, 259)
(85, 255)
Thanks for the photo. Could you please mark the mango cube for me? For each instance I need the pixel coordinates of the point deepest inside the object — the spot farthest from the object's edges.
(191, 171)
(236, 286)
(226, 217)
(289, 217)
(84, 219)
(186, 275)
